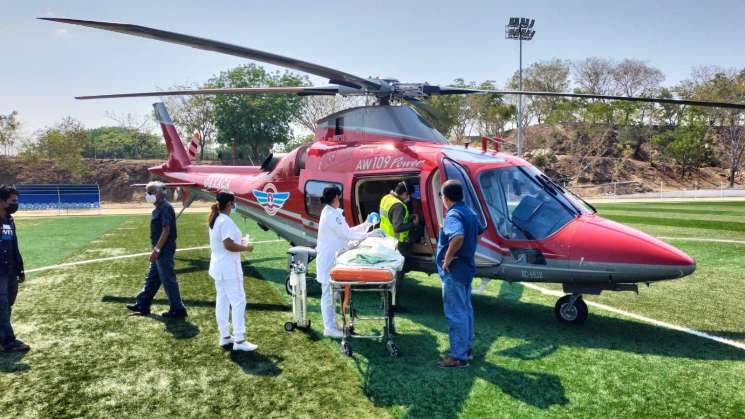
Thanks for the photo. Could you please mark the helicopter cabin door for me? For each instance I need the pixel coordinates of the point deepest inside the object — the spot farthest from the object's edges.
(450, 169)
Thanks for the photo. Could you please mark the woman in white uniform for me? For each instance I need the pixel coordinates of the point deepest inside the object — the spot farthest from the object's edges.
(225, 268)
(333, 235)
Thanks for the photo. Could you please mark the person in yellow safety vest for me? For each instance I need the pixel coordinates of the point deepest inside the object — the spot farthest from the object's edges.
(395, 219)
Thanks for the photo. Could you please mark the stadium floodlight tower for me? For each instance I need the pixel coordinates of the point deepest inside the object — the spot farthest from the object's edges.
(521, 29)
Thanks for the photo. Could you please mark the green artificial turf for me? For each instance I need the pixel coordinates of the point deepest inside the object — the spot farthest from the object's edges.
(46, 241)
(91, 358)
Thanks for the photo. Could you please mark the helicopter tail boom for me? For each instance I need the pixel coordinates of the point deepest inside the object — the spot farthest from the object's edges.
(177, 156)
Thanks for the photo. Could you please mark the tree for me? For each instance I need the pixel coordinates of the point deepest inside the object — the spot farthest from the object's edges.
(636, 78)
(193, 113)
(64, 144)
(726, 86)
(542, 76)
(9, 125)
(251, 124)
(313, 108)
(594, 75)
(123, 143)
(492, 114)
(686, 145)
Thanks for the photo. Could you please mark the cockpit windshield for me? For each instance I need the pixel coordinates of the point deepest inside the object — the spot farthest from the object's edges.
(525, 204)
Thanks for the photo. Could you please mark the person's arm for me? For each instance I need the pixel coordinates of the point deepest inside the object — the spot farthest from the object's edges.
(19, 258)
(228, 230)
(235, 247)
(453, 247)
(453, 228)
(161, 242)
(396, 215)
(341, 229)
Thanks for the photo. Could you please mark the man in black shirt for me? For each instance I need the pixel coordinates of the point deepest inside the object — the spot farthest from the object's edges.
(11, 269)
(163, 239)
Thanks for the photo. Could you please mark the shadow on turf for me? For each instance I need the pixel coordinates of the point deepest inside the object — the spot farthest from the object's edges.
(199, 303)
(256, 363)
(10, 362)
(413, 381)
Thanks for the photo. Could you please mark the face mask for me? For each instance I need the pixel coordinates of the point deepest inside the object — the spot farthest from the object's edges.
(150, 198)
(233, 210)
(12, 208)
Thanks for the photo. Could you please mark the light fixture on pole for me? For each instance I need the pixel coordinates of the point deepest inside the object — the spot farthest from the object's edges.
(521, 29)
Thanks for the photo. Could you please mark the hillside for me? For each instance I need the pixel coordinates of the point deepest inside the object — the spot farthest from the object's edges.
(112, 176)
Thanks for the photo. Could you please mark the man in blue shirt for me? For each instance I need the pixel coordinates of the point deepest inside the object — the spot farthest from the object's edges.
(163, 239)
(456, 264)
(11, 269)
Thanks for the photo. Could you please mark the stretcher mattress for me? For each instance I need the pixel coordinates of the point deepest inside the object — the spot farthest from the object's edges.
(358, 274)
(374, 259)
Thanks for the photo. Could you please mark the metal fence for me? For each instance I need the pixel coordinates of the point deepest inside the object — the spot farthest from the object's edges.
(61, 196)
(636, 190)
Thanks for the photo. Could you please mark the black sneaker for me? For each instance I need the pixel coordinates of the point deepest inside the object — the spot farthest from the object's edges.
(174, 314)
(138, 309)
(16, 346)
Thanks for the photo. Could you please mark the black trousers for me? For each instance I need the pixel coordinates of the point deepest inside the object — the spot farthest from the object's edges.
(8, 293)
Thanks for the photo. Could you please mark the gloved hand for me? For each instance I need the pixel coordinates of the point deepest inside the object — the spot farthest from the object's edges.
(21, 277)
(373, 218)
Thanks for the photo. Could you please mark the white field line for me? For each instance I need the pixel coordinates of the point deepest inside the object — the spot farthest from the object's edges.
(643, 319)
(697, 239)
(529, 285)
(134, 255)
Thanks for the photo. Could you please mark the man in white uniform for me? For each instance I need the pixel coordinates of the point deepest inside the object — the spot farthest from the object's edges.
(333, 235)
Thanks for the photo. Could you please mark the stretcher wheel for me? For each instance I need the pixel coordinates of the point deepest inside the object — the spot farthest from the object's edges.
(290, 326)
(346, 348)
(288, 287)
(392, 349)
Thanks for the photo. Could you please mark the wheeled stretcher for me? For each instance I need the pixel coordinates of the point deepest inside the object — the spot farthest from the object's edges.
(348, 279)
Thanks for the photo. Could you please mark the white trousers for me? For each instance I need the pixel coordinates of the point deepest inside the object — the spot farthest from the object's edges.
(231, 297)
(328, 311)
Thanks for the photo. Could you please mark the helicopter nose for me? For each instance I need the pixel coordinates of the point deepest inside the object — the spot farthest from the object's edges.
(628, 253)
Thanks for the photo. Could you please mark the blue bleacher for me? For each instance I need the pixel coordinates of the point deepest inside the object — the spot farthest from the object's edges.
(36, 197)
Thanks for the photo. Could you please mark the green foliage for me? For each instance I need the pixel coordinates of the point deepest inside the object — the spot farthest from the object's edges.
(253, 123)
(686, 146)
(542, 158)
(123, 143)
(9, 125)
(64, 144)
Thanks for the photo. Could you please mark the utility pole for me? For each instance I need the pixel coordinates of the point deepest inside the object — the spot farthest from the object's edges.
(520, 28)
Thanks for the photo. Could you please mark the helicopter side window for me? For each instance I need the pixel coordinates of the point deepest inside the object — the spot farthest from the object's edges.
(313, 192)
(456, 172)
(520, 208)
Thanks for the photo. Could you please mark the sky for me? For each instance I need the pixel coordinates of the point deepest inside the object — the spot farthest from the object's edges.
(45, 64)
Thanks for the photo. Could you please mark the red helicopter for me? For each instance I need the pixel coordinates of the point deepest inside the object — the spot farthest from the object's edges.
(537, 231)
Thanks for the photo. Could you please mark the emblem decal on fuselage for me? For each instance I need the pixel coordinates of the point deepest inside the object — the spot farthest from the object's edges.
(270, 199)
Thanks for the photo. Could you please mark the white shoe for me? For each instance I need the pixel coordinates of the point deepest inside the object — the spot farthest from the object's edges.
(226, 341)
(333, 333)
(244, 346)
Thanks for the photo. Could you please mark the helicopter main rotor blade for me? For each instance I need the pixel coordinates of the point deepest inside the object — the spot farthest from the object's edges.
(334, 76)
(300, 91)
(464, 91)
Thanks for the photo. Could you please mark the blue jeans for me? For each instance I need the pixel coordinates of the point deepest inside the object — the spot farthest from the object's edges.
(161, 272)
(456, 301)
(8, 293)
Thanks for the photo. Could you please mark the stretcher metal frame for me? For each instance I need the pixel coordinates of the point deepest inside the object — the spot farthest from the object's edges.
(387, 291)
